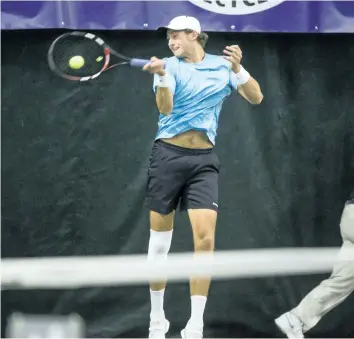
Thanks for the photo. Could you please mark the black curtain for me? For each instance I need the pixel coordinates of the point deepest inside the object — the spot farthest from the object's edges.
(74, 163)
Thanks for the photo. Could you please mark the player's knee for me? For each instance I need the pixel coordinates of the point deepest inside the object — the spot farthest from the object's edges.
(204, 243)
(203, 224)
(159, 244)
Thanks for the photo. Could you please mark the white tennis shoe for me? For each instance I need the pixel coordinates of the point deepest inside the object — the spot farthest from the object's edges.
(158, 327)
(189, 332)
(290, 325)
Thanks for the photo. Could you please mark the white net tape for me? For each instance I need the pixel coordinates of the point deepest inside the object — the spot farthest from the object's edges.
(75, 272)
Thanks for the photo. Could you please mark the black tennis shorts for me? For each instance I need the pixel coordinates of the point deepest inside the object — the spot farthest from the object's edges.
(184, 176)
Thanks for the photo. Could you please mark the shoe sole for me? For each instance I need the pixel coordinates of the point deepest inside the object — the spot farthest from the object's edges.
(282, 327)
(167, 327)
(183, 334)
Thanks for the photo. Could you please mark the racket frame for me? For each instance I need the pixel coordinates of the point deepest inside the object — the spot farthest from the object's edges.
(107, 57)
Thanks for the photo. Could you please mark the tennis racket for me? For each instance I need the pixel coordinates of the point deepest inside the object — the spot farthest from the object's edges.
(80, 56)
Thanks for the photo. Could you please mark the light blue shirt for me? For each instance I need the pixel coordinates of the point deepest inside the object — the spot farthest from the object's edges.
(199, 91)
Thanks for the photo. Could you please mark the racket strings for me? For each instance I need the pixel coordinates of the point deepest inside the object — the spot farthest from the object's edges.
(84, 50)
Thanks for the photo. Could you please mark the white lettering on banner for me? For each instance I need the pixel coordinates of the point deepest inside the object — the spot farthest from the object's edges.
(236, 7)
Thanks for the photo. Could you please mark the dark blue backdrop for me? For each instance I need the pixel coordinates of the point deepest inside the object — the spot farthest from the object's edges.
(243, 15)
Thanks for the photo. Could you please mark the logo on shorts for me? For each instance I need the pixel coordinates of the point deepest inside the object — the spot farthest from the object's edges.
(215, 204)
(236, 7)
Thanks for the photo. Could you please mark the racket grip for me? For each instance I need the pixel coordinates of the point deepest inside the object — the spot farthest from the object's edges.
(139, 62)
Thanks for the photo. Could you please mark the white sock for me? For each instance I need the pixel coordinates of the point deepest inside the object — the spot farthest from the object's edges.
(197, 311)
(157, 298)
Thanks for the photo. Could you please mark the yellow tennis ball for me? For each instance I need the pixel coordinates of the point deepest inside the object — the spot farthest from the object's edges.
(100, 58)
(76, 62)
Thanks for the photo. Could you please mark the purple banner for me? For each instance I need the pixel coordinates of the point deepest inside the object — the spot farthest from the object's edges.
(214, 15)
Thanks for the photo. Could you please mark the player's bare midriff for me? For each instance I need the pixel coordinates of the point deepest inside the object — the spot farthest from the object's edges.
(190, 139)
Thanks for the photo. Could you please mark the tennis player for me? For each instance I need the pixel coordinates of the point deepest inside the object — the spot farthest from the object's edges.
(190, 88)
(330, 292)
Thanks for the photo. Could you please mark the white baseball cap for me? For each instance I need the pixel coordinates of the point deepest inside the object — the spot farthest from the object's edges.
(183, 22)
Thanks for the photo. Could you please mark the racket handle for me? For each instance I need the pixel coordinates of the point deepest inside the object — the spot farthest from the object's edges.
(139, 62)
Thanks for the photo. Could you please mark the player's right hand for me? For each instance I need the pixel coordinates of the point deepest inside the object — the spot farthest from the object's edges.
(155, 66)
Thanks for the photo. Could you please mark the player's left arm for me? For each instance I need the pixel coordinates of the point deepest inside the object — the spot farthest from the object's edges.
(247, 86)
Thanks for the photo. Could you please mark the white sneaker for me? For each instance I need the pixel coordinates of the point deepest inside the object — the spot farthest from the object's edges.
(158, 328)
(290, 325)
(190, 332)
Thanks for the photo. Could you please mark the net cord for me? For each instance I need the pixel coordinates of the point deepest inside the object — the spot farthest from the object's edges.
(77, 272)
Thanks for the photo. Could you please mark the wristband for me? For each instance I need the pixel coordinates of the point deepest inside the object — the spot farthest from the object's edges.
(242, 76)
(164, 81)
